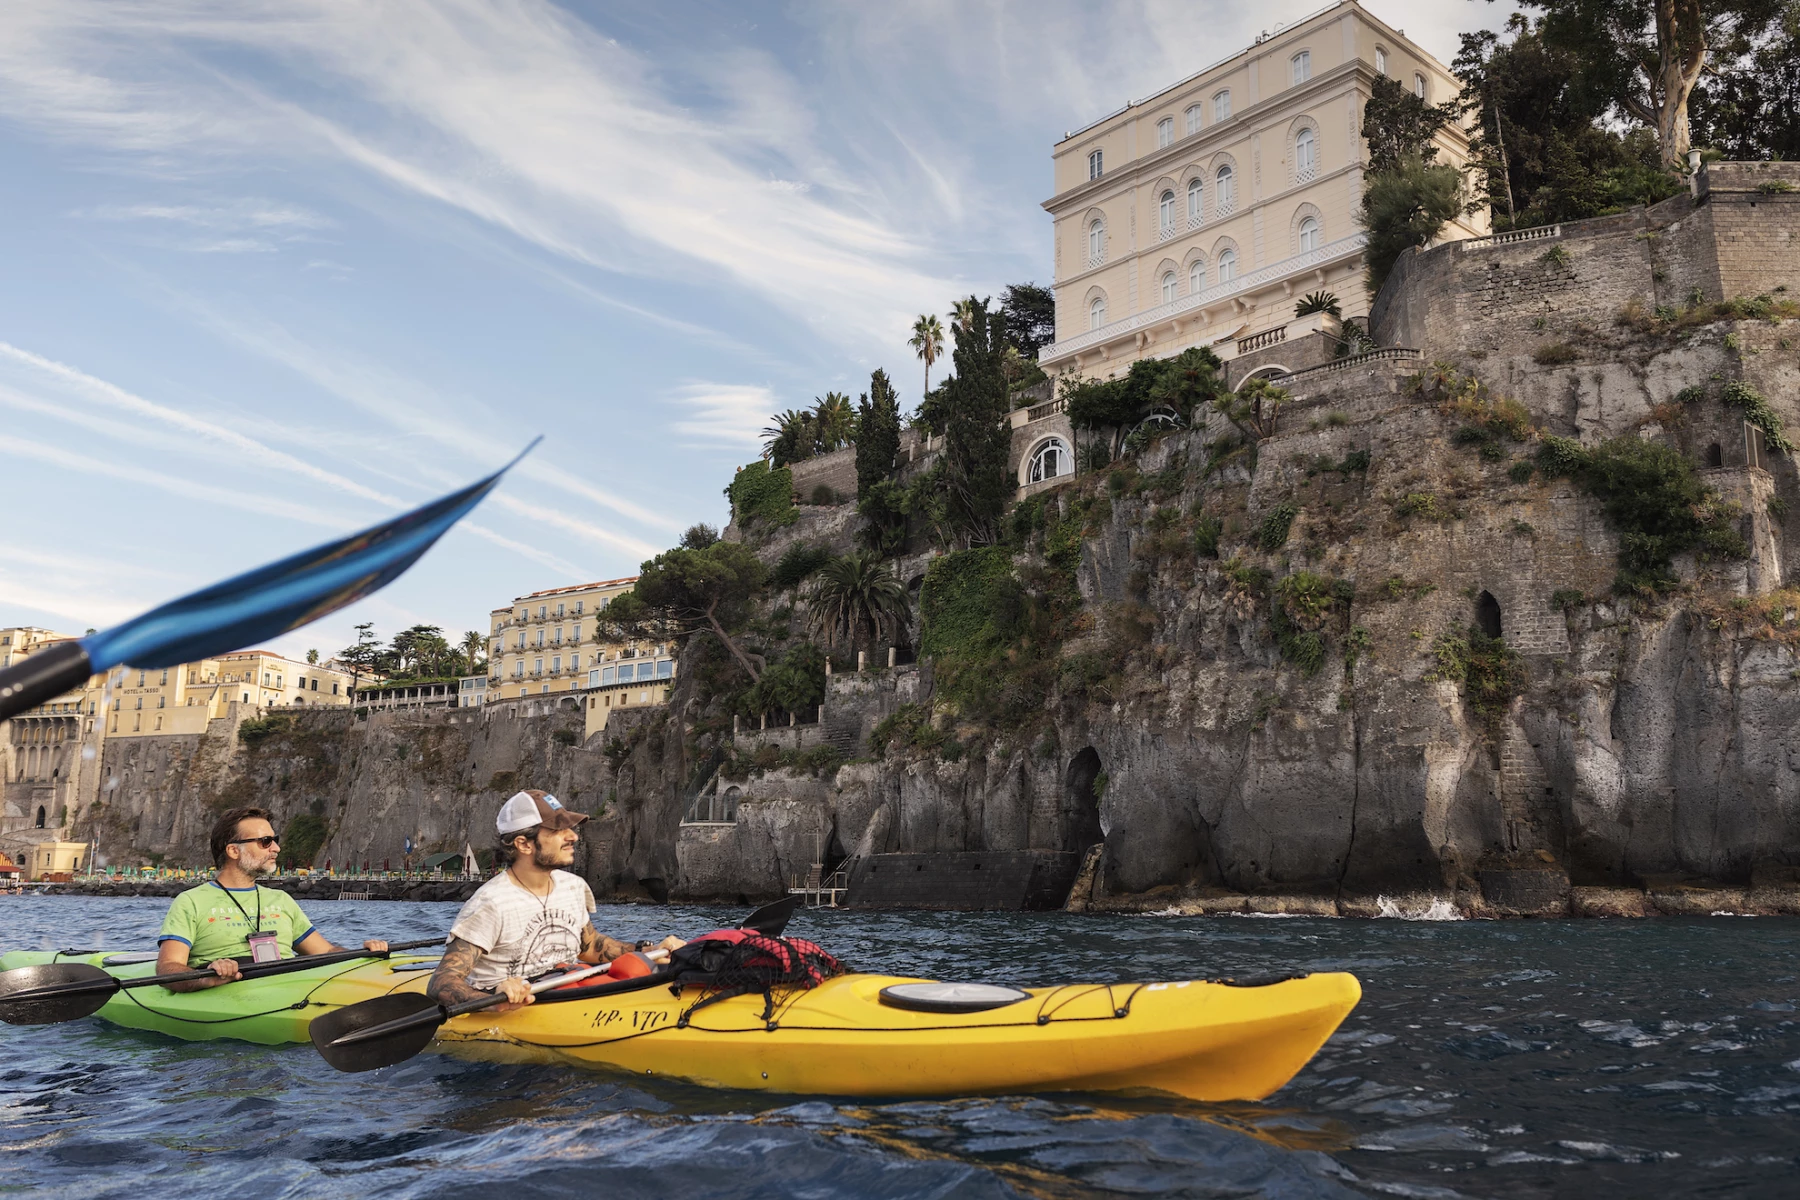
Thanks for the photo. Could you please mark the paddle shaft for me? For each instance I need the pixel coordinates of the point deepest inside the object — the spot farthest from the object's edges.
(304, 962)
(43, 676)
(442, 1013)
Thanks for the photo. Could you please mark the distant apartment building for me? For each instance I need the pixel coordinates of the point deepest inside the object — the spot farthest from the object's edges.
(556, 641)
(1200, 215)
(183, 699)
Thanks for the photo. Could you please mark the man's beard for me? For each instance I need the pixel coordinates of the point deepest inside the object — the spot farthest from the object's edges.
(548, 858)
(271, 867)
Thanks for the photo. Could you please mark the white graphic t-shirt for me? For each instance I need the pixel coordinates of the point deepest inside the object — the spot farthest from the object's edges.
(520, 933)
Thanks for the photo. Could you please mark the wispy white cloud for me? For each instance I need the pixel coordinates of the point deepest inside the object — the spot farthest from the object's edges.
(240, 214)
(241, 499)
(724, 413)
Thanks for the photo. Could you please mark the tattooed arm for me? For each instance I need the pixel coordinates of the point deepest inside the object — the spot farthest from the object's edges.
(598, 948)
(450, 982)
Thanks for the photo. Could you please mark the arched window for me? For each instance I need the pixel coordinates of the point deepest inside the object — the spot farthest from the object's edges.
(1309, 235)
(1096, 240)
(1221, 107)
(1380, 61)
(1196, 202)
(1096, 162)
(1302, 66)
(1165, 132)
(1224, 195)
(1165, 213)
(1193, 119)
(1227, 265)
(1049, 460)
(1196, 276)
(1168, 287)
(1097, 312)
(732, 796)
(1418, 85)
(40, 816)
(1306, 155)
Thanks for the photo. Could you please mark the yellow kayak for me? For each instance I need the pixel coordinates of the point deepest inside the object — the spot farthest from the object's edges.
(845, 1037)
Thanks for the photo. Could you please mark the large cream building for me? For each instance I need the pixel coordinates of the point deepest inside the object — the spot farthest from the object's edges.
(1200, 215)
(556, 641)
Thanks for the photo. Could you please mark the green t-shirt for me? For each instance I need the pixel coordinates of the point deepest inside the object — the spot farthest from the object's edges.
(216, 922)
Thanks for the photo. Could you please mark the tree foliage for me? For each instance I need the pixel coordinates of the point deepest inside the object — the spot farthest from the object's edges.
(854, 596)
(878, 434)
(1406, 207)
(1544, 147)
(1646, 58)
(1400, 126)
(707, 590)
(1030, 317)
(977, 438)
(1254, 408)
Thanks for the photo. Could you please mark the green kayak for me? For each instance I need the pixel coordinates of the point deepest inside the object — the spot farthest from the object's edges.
(269, 1011)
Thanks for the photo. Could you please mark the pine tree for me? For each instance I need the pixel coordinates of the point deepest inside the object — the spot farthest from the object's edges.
(877, 433)
(977, 436)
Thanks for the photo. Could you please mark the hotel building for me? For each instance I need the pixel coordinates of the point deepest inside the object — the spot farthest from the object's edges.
(1198, 216)
(557, 641)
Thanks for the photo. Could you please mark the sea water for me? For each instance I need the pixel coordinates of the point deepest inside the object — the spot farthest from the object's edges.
(1491, 1059)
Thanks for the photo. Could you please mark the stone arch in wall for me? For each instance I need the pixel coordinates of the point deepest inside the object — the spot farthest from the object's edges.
(1081, 802)
(1487, 615)
(40, 816)
(1289, 164)
(1196, 255)
(1301, 213)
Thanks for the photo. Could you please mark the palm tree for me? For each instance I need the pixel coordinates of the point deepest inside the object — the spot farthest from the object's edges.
(834, 421)
(963, 312)
(855, 593)
(474, 648)
(928, 341)
(791, 438)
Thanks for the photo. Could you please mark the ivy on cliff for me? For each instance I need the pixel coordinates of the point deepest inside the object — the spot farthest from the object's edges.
(1656, 500)
(760, 494)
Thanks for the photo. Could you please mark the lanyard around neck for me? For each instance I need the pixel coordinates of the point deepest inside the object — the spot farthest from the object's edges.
(257, 928)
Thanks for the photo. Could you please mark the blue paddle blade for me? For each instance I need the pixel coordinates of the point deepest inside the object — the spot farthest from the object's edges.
(271, 600)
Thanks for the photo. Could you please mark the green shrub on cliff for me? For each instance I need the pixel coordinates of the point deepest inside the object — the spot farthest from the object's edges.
(255, 732)
(1655, 499)
(1272, 534)
(1759, 414)
(1489, 671)
(760, 494)
(302, 840)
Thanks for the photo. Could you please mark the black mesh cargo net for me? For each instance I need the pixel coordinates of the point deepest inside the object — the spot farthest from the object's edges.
(753, 963)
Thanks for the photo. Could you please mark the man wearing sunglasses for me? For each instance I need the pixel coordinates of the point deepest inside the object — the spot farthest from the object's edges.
(232, 917)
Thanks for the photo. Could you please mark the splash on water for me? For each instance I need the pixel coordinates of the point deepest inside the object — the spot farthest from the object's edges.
(1417, 908)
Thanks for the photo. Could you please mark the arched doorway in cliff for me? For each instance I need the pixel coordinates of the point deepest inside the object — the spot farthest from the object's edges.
(1487, 614)
(1081, 801)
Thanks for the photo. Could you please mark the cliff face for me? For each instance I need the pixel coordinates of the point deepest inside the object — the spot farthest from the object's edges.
(1380, 650)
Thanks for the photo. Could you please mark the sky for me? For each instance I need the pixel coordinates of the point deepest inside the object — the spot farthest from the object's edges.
(273, 272)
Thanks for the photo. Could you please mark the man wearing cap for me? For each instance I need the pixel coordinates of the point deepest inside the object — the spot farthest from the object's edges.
(532, 916)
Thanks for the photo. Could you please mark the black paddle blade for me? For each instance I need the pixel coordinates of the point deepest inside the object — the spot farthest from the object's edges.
(80, 991)
(383, 1051)
(771, 919)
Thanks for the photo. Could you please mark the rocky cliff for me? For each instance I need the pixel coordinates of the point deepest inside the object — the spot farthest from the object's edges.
(1512, 598)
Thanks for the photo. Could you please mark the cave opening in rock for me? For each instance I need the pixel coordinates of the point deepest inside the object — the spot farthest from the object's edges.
(1081, 802)
(1487, 614)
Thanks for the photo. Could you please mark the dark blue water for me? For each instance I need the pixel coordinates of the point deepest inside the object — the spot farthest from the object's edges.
(1519, 1059)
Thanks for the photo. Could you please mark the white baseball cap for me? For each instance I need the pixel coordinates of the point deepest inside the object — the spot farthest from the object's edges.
(524, 810)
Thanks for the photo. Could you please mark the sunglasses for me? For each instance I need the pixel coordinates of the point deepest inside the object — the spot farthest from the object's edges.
(264, 842)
